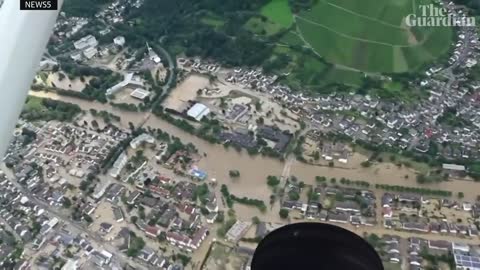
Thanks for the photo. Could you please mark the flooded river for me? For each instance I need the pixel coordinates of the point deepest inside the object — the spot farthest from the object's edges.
(254, 170)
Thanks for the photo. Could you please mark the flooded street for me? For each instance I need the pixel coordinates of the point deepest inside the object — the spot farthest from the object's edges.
(254, 170)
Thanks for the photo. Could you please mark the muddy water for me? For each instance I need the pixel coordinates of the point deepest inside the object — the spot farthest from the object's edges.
(86, 105)
(185, 91)
(254, 170)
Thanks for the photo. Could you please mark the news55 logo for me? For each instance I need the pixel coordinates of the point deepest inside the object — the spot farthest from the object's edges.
(38, 4)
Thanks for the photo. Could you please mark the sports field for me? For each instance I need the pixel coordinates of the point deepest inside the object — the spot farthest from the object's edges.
(367, 35)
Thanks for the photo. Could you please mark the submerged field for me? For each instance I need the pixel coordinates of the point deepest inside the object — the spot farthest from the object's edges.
(366, 35)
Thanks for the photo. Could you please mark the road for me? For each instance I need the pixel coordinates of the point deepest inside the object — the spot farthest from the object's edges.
(92, 237)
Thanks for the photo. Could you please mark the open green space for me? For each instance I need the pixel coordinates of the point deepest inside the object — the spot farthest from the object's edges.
(306, 71)
(275, 16)
(34, 104)
(292, 39)
(315, 45)
(36, 109)
(366, 35)
(397, 91)
(278, 11)
(351, 24)
(348, 77)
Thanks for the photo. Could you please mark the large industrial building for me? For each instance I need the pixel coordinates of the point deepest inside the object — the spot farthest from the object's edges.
(198, 111)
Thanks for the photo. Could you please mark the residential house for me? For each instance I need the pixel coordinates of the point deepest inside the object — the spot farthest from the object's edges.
(339, 217)
(439, 245)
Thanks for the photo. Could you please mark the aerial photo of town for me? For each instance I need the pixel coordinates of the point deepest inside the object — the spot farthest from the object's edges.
(162, 134)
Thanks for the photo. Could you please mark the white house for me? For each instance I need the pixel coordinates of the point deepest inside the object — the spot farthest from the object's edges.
(89, 53)
(85, 42)
(119, 41)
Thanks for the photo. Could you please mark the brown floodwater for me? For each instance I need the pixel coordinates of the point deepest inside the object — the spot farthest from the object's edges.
(254, 170)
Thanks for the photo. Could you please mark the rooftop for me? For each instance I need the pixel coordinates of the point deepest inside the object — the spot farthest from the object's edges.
(198, 111)
(140, 93)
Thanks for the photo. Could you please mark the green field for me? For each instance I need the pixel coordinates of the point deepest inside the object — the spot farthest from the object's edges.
(279, 17)
(34, 104)
(366, 35)
(292, 38)
(278, 11)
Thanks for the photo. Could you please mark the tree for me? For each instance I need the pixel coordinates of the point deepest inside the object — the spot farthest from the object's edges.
(136, 245)
(258, 106)
(302, 125)
(461, 195)
(162, 237)
(283, 213)
(234, 173)
(183, 258)
(141, 212)
(88, 218)
(422, 179)
(366, 164)
(221, 231)
(139, 153)
(301, 184)
(204, 211)
(220, 217)
(273, 181)
(320, 179)
(331, 164)
(373, 240)
(314, 197)
(260, 121)
(339, 197)
(133, 219)
(84, 185)
(223, 104)
(256, 220)
(131, 126)
(294, 196)
(66, 202)
(94, 124)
